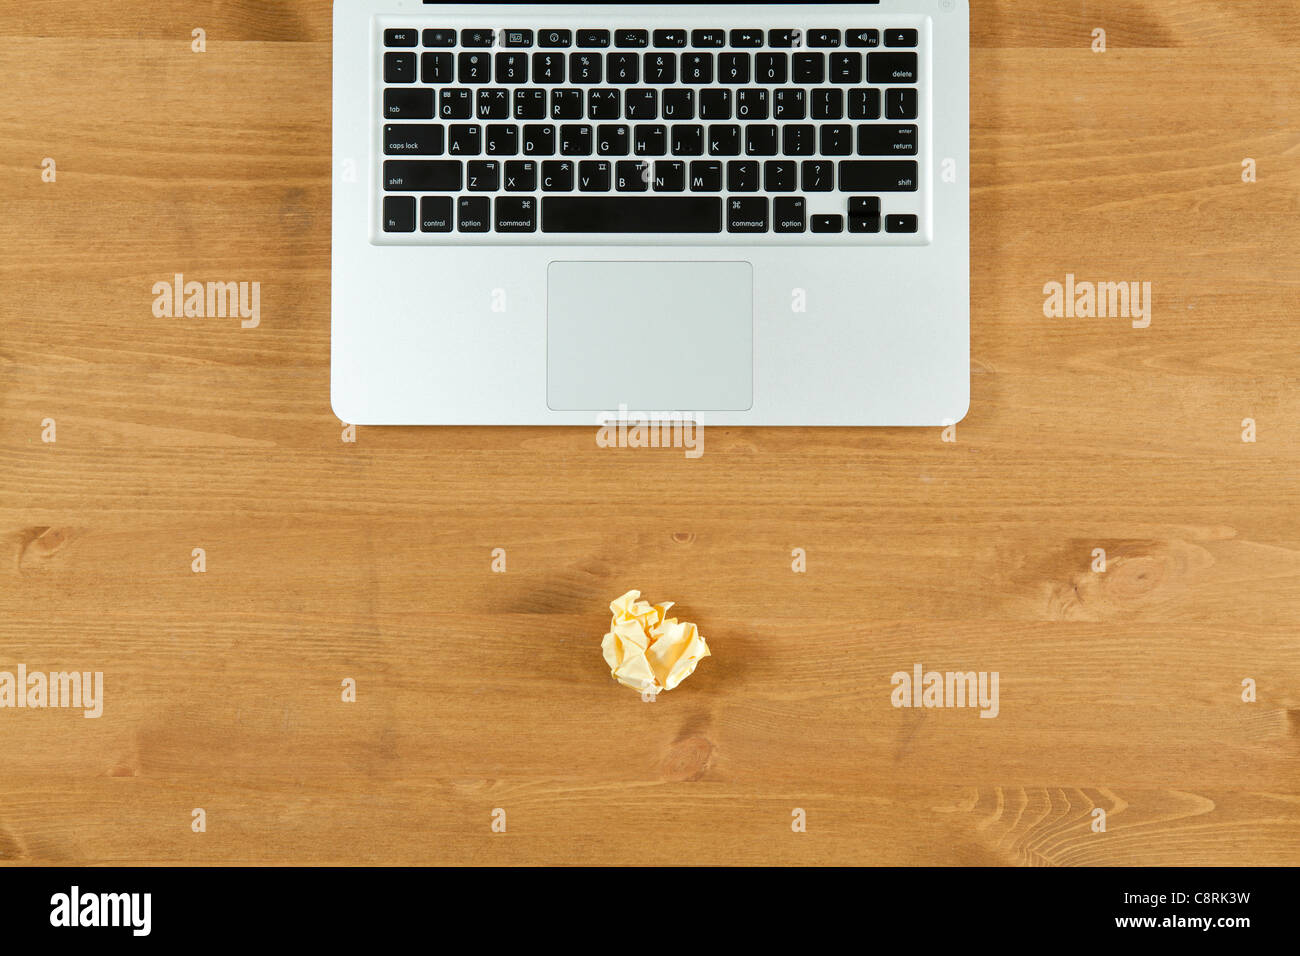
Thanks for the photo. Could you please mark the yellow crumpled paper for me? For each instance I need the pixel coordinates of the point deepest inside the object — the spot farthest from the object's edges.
(647, 650)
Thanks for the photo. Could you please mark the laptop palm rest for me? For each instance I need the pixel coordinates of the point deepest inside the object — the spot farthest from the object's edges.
(650, 336)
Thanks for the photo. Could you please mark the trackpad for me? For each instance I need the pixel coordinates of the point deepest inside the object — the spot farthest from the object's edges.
(651, 336)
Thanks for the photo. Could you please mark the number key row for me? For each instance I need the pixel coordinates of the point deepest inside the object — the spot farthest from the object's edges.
(474, 66)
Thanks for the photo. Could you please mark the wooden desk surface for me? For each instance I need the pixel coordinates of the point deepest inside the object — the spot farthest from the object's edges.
(328, 560)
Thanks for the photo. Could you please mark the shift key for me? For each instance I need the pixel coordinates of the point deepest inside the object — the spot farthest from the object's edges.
(866, 176)
(423, 176)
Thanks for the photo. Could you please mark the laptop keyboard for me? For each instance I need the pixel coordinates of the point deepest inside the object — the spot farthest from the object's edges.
(541, 133)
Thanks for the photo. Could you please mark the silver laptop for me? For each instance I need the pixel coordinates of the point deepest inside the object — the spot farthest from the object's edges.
(741, 214)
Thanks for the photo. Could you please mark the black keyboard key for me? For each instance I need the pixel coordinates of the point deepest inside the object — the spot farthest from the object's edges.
(880, 140)
(900, 38)
(780, 176)
(557, 176)
(896, 223)
(751, 104)
(641, 105)
(679, 104)
(789, 213)
(867, 38)
(864, 223)
(492, 104)
(864, 104)
(439, 37)
(837, 139)
(521, 176)
(502, 140)
(818, 175)
(799, 139)
(594, 176)
(512, 67)
(688, 140)
(552, 39)
(827, 104)
(650, 140)
(742, 176)
(891, 67)
(747, 214)
(878, 176)
(399, 214)
(548, 67)
(455, 104)
(585, 67)
(669, 176)
(715, 104)
(784, 38)
(435, 214)
(669, 38)
(588, 39)
(900, 104)
(640, 214)
(631, 38)
(706, 176)
(828, 223)
(401, 37)
(576, 140)
(516, 214)
(604, 105)
(566, 104)
(437, 68)
(423, 175)
(708, 38)
(399, 67)
(483, 176)
(817, 38)
(477, 38)
(472, 214)
(413, 139)
(403, 103)
(789, 104)
(760, 139)
(539, 139)
(519, 38)
(724, 140)
(733, 68)
(464, 140)
(809, 68)
(623, 67)
(631, 176)
(746, 38)
(475, 68)
(661, 67)
(530, 104)
(864, 206)
(846, 68)
(771, 68)
(612, 140)
(697, 67)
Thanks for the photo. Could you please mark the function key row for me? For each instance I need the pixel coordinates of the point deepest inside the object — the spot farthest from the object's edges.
(812, 68)
(633, 39)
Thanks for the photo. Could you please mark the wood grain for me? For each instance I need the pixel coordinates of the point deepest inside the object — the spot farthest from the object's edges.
(476, 690)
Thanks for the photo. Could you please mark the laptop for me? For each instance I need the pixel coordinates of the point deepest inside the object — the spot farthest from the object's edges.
(737, 214)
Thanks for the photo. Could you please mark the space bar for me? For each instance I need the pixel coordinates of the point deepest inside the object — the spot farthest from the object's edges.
(631, 214)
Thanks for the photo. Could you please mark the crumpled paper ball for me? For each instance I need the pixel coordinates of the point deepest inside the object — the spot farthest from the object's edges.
(647, 650)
